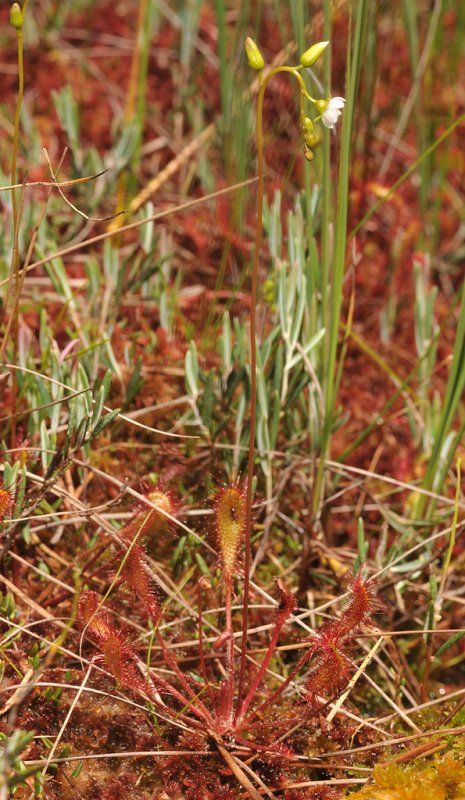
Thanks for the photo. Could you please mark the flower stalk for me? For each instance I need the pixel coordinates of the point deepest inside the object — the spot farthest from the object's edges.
(16, 20)
(309, 57)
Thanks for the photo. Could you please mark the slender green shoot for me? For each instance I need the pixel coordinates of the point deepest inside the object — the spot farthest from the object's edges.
(17, 21)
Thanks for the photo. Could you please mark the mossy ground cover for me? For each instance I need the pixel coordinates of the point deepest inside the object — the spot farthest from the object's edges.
(125, 403)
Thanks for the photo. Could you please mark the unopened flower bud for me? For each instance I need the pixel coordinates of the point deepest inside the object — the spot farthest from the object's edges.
(313, 53)
(308, 125)
(321, 105)
(254, 56)
(313, 137)
(16, 16)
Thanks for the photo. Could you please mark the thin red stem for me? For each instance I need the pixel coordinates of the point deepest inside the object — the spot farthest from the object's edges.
(259, 676)
(230, 646)
(253, 378)
(263, 82)
(303, 660)
(15, 255)
(199, 710)
(203, 669)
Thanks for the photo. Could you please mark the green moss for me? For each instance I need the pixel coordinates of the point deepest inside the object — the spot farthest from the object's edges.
(440, 779)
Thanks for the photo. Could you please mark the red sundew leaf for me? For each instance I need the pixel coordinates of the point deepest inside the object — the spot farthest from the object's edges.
(230, 524)
(358, 611)
(333, 667)
(6, 501)
(117, 652)
(88, 604)
(332, 670)
(287, 604)
(134, 574)
(119, 658)
(147, 521)
(97, 623)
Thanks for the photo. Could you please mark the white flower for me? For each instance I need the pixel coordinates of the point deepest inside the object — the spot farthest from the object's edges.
(332, 111)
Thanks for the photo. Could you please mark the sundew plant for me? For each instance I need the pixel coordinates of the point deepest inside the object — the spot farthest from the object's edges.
(232, 373)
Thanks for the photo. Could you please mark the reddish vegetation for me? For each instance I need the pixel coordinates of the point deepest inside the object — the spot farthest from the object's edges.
(260, 727)
(186, 676)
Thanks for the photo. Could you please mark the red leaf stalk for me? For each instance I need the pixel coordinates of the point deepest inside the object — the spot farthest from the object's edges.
(202, 584)
(230, 516)
(194, 702)
(286, 606)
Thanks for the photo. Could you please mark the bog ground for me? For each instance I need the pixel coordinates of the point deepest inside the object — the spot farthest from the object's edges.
(232, 367)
